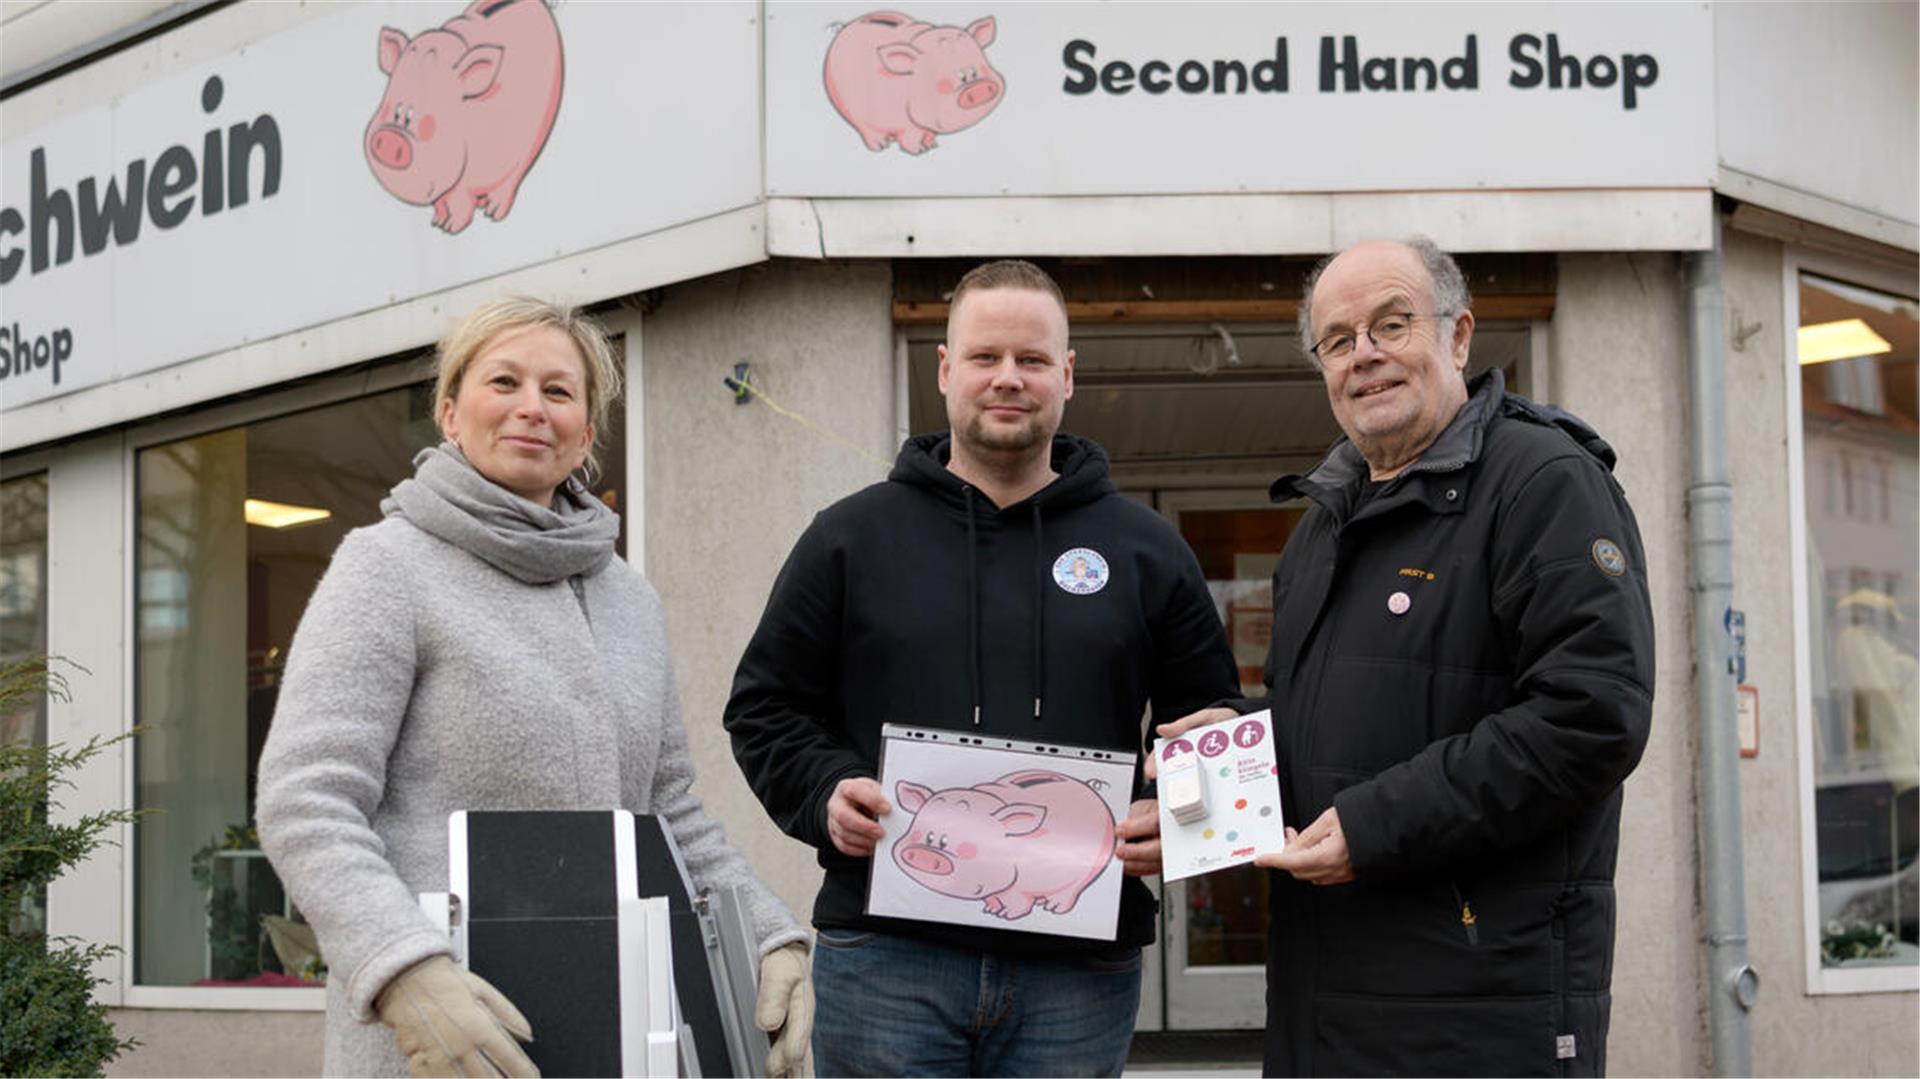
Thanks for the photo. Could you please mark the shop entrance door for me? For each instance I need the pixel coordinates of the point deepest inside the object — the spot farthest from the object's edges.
(1215, 925)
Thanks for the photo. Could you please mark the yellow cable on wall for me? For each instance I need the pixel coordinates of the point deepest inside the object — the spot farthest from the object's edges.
(741, 383)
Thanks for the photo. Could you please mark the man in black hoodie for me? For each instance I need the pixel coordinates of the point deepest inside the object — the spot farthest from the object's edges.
(1461, 675)
(999, 583)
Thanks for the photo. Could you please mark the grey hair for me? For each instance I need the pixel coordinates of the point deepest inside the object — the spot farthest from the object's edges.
(1449, 287)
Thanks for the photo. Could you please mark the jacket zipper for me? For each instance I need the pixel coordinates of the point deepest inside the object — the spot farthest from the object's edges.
(1561, 1028)
(1467, 918)
(1327, 615)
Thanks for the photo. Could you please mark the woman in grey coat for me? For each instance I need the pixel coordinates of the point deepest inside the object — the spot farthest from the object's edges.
(482, 648)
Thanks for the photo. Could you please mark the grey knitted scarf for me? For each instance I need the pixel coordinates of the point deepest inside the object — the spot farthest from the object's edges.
(448, 498)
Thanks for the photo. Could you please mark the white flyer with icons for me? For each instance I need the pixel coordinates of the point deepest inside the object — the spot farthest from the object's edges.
(1237, 800)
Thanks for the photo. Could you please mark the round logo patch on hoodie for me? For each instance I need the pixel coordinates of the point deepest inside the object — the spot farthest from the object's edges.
(1607, 555)
(1081, 571)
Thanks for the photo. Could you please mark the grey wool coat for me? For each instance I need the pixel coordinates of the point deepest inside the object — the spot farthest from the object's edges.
(471, 651)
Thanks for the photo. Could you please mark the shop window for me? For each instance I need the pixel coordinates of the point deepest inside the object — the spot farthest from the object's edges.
(1857, 351)
(23, 633)
(234, 529)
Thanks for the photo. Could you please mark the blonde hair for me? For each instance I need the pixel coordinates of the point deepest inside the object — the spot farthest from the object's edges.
(510, 314)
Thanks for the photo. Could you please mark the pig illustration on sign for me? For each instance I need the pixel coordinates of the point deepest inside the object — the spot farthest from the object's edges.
(467, 109)
(1030, 838)
(901, 81)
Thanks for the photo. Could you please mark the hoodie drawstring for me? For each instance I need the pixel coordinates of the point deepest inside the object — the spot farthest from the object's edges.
(973, 607)
(1039, 611)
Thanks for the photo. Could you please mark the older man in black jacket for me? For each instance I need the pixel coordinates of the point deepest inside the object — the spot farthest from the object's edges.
(1461, 676)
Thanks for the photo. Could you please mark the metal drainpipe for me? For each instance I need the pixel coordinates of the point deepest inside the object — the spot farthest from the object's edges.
(1731, 983)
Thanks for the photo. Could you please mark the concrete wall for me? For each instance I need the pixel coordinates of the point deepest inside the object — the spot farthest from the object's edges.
(1619, 361)
(730, 487)
(217, 1043)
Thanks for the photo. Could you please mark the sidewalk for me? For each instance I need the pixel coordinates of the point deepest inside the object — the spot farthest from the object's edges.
(1208, 1054)
(1197, 1070)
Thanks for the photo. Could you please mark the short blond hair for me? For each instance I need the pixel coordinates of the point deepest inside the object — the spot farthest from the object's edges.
(510, 314)
(1004, 273)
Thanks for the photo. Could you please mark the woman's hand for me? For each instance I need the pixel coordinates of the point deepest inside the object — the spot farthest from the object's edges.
(785, 1009)
(449, 1021)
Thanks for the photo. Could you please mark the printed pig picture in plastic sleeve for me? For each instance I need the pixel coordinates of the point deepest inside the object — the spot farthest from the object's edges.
(903, 82)
(985, 842)
(1005, 836)
(467, 109)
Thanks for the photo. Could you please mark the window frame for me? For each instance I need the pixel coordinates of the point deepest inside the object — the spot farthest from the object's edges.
(18, 466)
(22, 466)
(379, 376)
(1820, 980)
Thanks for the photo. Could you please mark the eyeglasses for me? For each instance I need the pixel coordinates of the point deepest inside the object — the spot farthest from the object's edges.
(1389, 333)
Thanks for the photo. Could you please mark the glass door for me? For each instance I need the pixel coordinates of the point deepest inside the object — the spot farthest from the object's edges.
(1215, 925)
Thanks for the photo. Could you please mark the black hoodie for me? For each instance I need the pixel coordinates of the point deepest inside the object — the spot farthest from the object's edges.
(918, 601)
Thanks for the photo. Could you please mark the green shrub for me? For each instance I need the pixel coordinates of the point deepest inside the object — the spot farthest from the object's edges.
(49, 1024)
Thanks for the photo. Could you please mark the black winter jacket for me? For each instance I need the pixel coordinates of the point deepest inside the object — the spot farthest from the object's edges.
(1464, 667)
(918, 601)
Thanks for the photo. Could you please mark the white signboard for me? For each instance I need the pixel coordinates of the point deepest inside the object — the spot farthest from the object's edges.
(992, 98)
(993, 832)
(1854, 141)
(381, 153)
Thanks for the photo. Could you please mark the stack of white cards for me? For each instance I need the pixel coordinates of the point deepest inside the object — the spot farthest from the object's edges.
(1182, 788)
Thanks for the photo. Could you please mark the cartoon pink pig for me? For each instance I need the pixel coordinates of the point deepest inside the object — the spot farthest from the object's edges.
(1028, 838)
(897, 80)
(467, 109)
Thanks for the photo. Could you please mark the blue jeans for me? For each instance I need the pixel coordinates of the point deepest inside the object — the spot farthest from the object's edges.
(891, 1005)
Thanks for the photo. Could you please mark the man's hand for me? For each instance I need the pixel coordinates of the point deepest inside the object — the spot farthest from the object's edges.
(852, 816)
(1139, 849)
(1317, 855)
(785, 1009)
(1204, 717)
(449, 1021)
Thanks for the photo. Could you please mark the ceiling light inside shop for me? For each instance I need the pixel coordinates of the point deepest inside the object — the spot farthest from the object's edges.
(1843, 340)
(281, 515)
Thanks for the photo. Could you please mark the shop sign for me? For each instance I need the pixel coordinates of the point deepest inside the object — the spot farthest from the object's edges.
(996, 98)
(365, 157)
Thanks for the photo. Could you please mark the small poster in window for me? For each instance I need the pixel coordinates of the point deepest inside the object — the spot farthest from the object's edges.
(1250, 631)
(1001, 833)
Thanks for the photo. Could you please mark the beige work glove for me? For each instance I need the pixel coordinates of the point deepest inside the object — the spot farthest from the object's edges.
(450, 1022)
(785, 1009)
